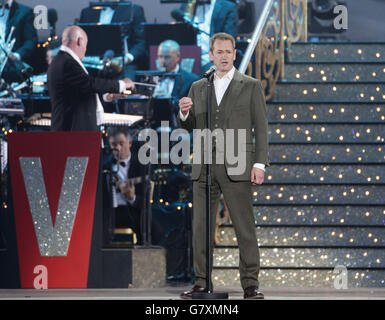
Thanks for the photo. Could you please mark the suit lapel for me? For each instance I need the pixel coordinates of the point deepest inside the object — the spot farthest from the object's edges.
(117, 15)
(231, 95)
(11, 18)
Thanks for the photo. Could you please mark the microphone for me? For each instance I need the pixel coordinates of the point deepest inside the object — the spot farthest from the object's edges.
(178, 15)
(27, 70)
(108, 55)
(209, 72)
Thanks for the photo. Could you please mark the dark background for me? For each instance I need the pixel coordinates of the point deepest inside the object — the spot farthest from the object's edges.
(366, 17)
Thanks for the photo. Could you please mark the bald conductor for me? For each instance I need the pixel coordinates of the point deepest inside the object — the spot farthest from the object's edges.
(75, 95)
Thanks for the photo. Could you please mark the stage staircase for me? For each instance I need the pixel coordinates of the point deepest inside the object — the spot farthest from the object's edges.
(321, 208)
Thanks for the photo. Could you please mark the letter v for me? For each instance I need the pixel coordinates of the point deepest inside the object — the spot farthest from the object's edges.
(53, 240)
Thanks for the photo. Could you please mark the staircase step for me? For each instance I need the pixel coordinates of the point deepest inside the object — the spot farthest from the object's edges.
(335, 71)
(326, 112)
(325, 174)
(310, 236)
(306, 257)
(338, 51)
(314, 278)
(326, 133)
(326, 153)
(318, 194)
(330, 92)
(311, 215)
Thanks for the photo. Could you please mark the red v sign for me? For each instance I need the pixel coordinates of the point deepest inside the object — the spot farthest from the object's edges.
(54, 177)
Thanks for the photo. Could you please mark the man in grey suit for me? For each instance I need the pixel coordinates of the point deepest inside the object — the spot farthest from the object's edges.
(238, 103)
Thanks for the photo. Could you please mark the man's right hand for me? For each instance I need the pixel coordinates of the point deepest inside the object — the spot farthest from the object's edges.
(185, 105)
(129, 84)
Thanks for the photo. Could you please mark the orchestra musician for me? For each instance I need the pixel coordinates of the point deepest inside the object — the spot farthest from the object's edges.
(172, 87)
(135, 57)
(21, 17)
(210, 18)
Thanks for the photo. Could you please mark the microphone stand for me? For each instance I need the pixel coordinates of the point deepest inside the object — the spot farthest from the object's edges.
(147, 209)
(209, 255)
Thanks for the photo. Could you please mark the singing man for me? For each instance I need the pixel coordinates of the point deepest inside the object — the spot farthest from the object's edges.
(238, 102)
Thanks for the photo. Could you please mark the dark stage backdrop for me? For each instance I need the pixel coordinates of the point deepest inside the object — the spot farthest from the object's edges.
(367, 13)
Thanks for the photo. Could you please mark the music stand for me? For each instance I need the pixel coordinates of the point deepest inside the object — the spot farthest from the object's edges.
(95, 32)
(183, 33)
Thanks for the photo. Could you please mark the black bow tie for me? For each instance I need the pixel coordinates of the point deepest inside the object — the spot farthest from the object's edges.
(6, 6)
(122, 163)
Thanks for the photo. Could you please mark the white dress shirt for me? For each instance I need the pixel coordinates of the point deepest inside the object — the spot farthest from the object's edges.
(121, 200)
(106, 15)
(166, 85)
(220, 86)
(202, 20)
(99, 106)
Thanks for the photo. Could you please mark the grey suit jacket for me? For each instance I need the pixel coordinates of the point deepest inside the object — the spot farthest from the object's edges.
(245, 108)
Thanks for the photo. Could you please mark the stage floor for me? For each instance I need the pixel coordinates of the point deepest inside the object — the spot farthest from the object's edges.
(172, 293)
